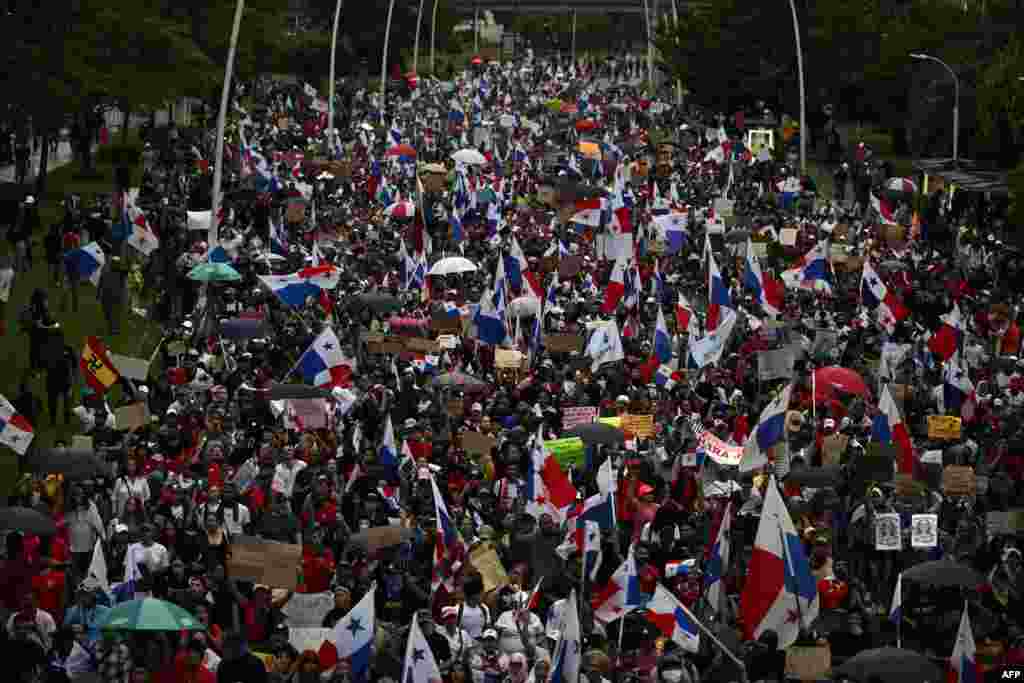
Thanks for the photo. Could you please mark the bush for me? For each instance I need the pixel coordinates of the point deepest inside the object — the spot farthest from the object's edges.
(120, 155)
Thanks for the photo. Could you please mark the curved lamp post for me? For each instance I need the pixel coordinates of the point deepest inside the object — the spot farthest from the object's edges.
(803, 96)
(956, 99)
(218, 162)
(331, 134)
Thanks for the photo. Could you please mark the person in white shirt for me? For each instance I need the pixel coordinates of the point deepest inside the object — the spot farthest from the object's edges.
(514, 622)
(285, 474)
(458, 639)
(237, 517)
(473, 615)
(130, 485)
(147, 555)
(31, 623)
(509, 489)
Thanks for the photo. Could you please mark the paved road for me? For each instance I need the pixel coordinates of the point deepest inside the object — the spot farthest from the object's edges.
(55, 161)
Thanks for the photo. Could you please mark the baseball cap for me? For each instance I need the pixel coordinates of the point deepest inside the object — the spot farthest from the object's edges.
(829, 423)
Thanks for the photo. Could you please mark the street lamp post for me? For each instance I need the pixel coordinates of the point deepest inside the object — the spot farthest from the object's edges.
(803, 96)
(384, 61)
(433, 36)
(416, 48)
(331, 135)
(956, 99)
(218, 160)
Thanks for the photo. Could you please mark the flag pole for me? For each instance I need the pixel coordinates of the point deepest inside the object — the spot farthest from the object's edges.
(714, 639)
(899, 622)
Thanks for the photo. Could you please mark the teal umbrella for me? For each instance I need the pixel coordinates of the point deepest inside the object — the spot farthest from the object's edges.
(149, 614)
(208, 271)
(486, 196)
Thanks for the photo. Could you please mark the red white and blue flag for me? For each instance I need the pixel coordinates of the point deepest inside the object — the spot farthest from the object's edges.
(876, 297)
(675, 622)
(716, 563)
(963, 665)
(947, 338)
(324, 364)
(780, 593)
(888, 427)
(718, 295)
(449, 548)
(621, 594)
(15, 430)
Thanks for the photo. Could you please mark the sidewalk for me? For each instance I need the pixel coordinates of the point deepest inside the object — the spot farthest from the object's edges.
(55, 161)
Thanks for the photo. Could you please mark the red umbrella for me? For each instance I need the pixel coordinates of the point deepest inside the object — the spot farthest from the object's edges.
(830, 379)
(402, 150)
(476, 61)
(568, 108)
(586, 124)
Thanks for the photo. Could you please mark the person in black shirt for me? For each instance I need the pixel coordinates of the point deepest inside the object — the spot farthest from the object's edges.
(342, 606)
(239, 665)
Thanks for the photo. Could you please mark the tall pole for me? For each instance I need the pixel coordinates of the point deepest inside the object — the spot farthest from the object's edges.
(574, 35)
(416, 44)
(476, 29)
(647, 19)
(384, 61)
(956, 100)
(675, 24)
(433, 36)
(803, 97)
(331, 135)
(222, 115)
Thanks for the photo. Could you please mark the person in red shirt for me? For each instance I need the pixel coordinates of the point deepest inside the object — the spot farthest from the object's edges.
(317, 568)
(48, 587)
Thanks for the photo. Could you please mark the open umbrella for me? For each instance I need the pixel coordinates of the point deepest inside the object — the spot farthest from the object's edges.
(459, 380)
(378, 537)
(452, 265)
(401, 210)
(209, 271)
(73, 464)
(524, 306)
(833, 378)
(402, 150)
(942, 573)
(244, 328)
(378, 303)
(470, 156)
(278, 392)
(149, 614)
(737, 236)
(815, 477)
(891, 665)
(26, 520)
(597, 433)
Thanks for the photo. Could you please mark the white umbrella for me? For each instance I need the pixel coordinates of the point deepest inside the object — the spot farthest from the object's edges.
(469, 156)
(453, 265)
(507, 121)
(524, 306)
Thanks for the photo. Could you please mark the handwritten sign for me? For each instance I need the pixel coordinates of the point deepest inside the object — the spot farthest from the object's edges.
(639, 425)
(132, 368)
(924, 531)
(958, 480)
(887, 531)
(379, 343)
(563, 343)
(787, 237)
(308, 609)
(720, 451)
(508, 359)
(943, 427)
(572, 417)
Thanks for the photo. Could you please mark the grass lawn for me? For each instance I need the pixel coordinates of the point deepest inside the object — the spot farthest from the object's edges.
(138, 337)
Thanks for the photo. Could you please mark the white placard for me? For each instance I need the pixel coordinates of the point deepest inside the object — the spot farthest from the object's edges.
(307, 610)
(887, 531)
(303, 639)
(924, 531)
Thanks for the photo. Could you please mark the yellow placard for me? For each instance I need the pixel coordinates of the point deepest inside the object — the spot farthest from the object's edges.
(943, 427)
(613, 421)
(639, 425)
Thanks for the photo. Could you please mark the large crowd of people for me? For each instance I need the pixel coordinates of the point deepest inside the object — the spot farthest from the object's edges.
(550, 374)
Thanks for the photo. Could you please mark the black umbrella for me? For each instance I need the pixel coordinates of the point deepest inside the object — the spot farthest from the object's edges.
(74, 464)
(244, 328)
(14, 191)
(815, 477)
(890, 664)
(26, 520)
(378, 303)
(737, 236)
(278, 392)
(597, 433)
(942, 573)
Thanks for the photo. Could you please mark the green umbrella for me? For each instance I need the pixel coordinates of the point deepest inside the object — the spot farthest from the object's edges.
(149, 614)
(209, 271)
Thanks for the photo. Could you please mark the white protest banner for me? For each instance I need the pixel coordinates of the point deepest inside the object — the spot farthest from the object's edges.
(924, 531)
(307, 610)
(887, 531)
(303, 639)
(572, 417)
(199, 220)
(716, 449)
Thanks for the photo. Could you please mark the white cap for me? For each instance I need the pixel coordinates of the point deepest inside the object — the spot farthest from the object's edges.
(830, 423)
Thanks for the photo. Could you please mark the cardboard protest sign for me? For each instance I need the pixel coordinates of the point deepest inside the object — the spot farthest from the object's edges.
(379, 343)
(777, 364)
(446, 323)
(563, 343)
(832, 448)
(887, 531)
(641, 426)
(448, 341)
(485, 560)
(480, 444)
(419, 345)
(808, 663)
(308, 609)
(132, 368)
(261, 561)
(719, 451)
(456, 407)
(572, 417)
(958, 480)
(943, 427)
(924, 531)
(130, 417)
(508, 359)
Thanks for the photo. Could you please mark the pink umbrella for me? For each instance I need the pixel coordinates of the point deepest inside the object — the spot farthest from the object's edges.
(401, 210)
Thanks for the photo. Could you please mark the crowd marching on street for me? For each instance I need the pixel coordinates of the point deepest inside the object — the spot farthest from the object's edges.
(527, 375)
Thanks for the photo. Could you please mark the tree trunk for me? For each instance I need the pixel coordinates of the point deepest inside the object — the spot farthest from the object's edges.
(44, 157)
